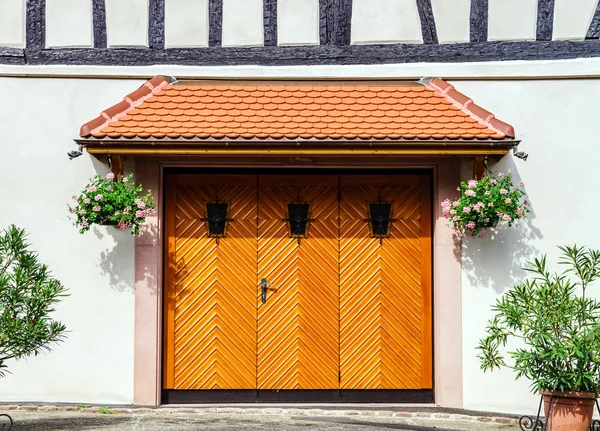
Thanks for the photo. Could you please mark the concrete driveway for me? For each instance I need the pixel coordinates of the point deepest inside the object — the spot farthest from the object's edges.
(174, 421)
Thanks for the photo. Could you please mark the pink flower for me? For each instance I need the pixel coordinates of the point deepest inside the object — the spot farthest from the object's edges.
(458, 189)
(519, 212)
(510, 171)
(73, 211)
(140, 213)
(467, 209)
(86, 200)
(494, 182)
(455, 203)
(507, 201)
(507, 217)
(457, 218)
(500, 175)
(452, 212)
(500, 214)
(470, 192)
(471, 225)
(96, 208)
(74, 197)
(487, 193)
(491, 204)
(125, 179)
(81, 211)
(122, 226)
(98, 198)
(487, 220)
(472, 183)
(503, 191)
(110, 176)
(526, 202)
(521, 184)
(92, 189)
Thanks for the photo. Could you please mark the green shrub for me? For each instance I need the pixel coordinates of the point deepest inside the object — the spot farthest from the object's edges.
(557, 324)
(28, 294)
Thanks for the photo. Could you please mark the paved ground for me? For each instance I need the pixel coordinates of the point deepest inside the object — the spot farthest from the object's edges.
(176, 421)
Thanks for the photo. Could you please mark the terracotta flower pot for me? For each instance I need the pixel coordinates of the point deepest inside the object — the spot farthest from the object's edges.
(571, 411)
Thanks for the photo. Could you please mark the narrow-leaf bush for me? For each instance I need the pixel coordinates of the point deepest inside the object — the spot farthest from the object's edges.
(28, 295)
(556, 322)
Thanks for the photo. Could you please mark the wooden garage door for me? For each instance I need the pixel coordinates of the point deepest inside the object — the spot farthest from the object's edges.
(344, 310)
(298, 324)
(210, 313)
(385, 285)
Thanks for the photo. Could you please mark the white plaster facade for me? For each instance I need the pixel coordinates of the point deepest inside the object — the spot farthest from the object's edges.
(95, 364)
(553, 116)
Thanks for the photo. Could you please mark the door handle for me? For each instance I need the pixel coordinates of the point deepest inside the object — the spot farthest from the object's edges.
(264, 286)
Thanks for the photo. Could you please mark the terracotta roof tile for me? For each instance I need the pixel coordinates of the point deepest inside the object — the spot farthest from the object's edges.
(163, 108)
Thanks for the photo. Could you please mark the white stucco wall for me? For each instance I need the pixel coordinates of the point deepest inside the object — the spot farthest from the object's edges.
(68, 23)
(95, 363)
(297, 22)
(186, 23)
(573, 18)
(127, 23)
(452, 20)
(512, 19)
(385, 21)
(553, 118)
(243, 23)
(12, 23)
(556, 123)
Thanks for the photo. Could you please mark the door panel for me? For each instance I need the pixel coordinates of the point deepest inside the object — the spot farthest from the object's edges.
(385, 285)
(298, 326)
(211, 305)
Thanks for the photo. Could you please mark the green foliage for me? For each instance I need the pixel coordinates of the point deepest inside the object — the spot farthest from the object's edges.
(28, 294)
(484, 203)
(557, 325)
(83, 406)
(106, 201)
(106, 411)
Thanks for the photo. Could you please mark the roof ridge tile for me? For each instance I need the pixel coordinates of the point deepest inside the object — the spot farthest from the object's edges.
(468, 106)
(132, 100)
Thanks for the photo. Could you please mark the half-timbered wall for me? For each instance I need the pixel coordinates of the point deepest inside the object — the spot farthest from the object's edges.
(140, 32)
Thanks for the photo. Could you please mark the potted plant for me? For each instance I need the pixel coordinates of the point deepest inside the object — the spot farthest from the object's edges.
(557, 329)
(108, 201)
(484, 203)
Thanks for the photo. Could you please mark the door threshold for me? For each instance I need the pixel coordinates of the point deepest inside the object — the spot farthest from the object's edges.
(312, 397)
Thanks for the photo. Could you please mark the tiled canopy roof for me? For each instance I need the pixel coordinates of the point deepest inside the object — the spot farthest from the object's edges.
(244, 110)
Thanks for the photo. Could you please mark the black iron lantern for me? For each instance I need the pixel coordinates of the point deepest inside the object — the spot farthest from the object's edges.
(298, 218)
(216, 218)
(380, 218)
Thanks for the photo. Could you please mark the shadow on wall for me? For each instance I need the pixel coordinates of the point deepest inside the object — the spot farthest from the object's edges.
(497, 261)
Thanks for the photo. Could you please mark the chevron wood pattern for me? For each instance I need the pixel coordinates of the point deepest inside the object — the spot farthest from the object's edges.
(385, 301)
(215, 304)
(345, 310)
(298, 326)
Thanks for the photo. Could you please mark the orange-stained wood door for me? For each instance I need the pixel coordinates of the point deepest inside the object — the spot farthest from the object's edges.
(210, 313)
(344, 310)
(385, 285)
(298, 325)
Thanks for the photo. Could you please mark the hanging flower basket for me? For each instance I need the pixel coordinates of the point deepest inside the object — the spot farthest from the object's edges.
(485, 203)
(108, 202)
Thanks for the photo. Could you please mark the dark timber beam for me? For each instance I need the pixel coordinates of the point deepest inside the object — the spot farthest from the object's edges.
(12, 56)
(428, 28)
(479, 20)
(215, 23)
(270, 22)
(156, 24)
(35, 35)
(326, 22)
(99, 17)
(545, 19)
(342, 21)
(312, 55)
(594, 30)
